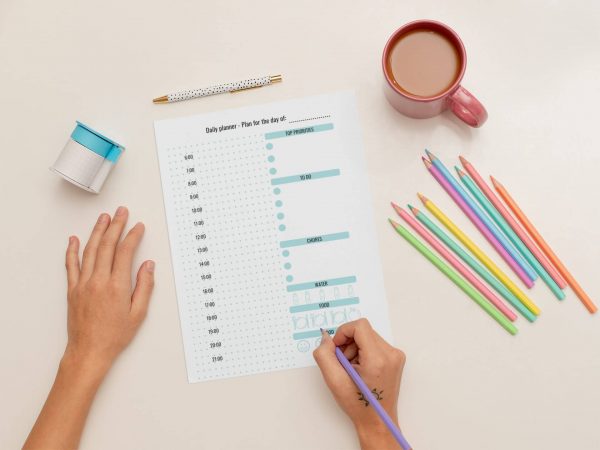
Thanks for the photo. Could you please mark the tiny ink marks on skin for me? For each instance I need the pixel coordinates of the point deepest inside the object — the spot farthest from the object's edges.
(378, 396)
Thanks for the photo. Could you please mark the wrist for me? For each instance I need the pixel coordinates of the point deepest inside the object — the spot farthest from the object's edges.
(84, 368)
(376, 436)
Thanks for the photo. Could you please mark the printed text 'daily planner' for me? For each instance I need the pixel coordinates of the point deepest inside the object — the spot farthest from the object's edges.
(271, 232)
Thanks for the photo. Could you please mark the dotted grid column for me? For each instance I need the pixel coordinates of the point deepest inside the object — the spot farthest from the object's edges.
(226, 238)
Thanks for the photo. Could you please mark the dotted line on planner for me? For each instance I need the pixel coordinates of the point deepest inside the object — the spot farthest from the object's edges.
(312, 118)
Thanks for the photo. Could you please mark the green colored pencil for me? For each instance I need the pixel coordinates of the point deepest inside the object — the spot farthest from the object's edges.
(455, 278)
(508, 231)
(473, 264)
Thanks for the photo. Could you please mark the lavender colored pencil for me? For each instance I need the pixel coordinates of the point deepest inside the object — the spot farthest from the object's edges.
(364, 389)
(470, 213)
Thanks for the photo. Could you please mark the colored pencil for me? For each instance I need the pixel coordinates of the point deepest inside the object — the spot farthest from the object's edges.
(455, 278)
(518, 229)
(498, 236)
(537, 237)
(496, 217)
(479, 254)
(472, 262)
(368, 395)
(459, 199)
(456, 264)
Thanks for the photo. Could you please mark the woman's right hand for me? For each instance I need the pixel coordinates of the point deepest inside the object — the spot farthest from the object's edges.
(379, 364)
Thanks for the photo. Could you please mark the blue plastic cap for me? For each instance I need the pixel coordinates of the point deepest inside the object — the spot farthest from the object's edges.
(96, 142)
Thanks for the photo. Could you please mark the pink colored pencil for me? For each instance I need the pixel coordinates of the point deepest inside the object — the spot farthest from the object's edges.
(460, 268)
(493, 198)
(477, 222)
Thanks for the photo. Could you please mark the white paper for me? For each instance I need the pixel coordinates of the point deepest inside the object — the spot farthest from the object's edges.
(271, 232)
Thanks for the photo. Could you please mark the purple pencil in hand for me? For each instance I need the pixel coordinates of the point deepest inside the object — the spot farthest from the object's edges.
(368, 395)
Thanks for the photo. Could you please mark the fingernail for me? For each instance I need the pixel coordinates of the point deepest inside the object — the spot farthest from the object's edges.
(120, 211)
(71, 240)
(102, 218)
(150, 266)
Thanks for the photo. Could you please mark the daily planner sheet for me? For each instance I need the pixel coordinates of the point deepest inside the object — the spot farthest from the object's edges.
(271, 232)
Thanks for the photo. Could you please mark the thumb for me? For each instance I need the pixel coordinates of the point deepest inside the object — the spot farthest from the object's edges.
(330, 367)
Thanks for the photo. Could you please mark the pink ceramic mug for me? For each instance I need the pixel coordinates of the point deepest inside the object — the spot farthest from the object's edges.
(456, 98)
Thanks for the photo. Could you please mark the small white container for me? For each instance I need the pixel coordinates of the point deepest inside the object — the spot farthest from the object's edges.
(87, 158)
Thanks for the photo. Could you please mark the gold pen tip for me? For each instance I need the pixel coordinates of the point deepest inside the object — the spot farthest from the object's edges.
(276, 78)
(163, 99)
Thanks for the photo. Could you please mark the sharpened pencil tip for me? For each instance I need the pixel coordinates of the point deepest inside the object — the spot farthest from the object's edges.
(431, 155)
(422, 198)
(426, 162)
(495, 182)
(460, 172)
(464, 161)
(396, 207)
(414, 210)
(394, 224)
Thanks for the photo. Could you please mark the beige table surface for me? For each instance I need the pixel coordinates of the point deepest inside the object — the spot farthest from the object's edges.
(467, 384)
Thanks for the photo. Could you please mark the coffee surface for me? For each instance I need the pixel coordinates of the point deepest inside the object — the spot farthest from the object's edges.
(423, 63)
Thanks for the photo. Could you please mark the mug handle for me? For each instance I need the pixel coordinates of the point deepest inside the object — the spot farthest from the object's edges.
(467, 108)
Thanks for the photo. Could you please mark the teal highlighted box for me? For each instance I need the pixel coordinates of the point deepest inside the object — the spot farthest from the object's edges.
(324, 305)
(306, 177)
(298, 131)
(321, 283)
(312, 333)
(314, 239)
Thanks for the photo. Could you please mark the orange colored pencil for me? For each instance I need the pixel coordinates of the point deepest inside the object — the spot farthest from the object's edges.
(537, 237)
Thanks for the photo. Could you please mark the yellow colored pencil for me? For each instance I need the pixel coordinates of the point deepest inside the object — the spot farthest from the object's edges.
(480, 255)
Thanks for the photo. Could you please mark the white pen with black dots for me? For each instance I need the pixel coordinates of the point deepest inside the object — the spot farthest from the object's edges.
(250, 83)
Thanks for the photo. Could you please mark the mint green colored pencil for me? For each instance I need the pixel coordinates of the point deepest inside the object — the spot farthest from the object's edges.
(455, 278)
(473, 264)
(508, 231)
